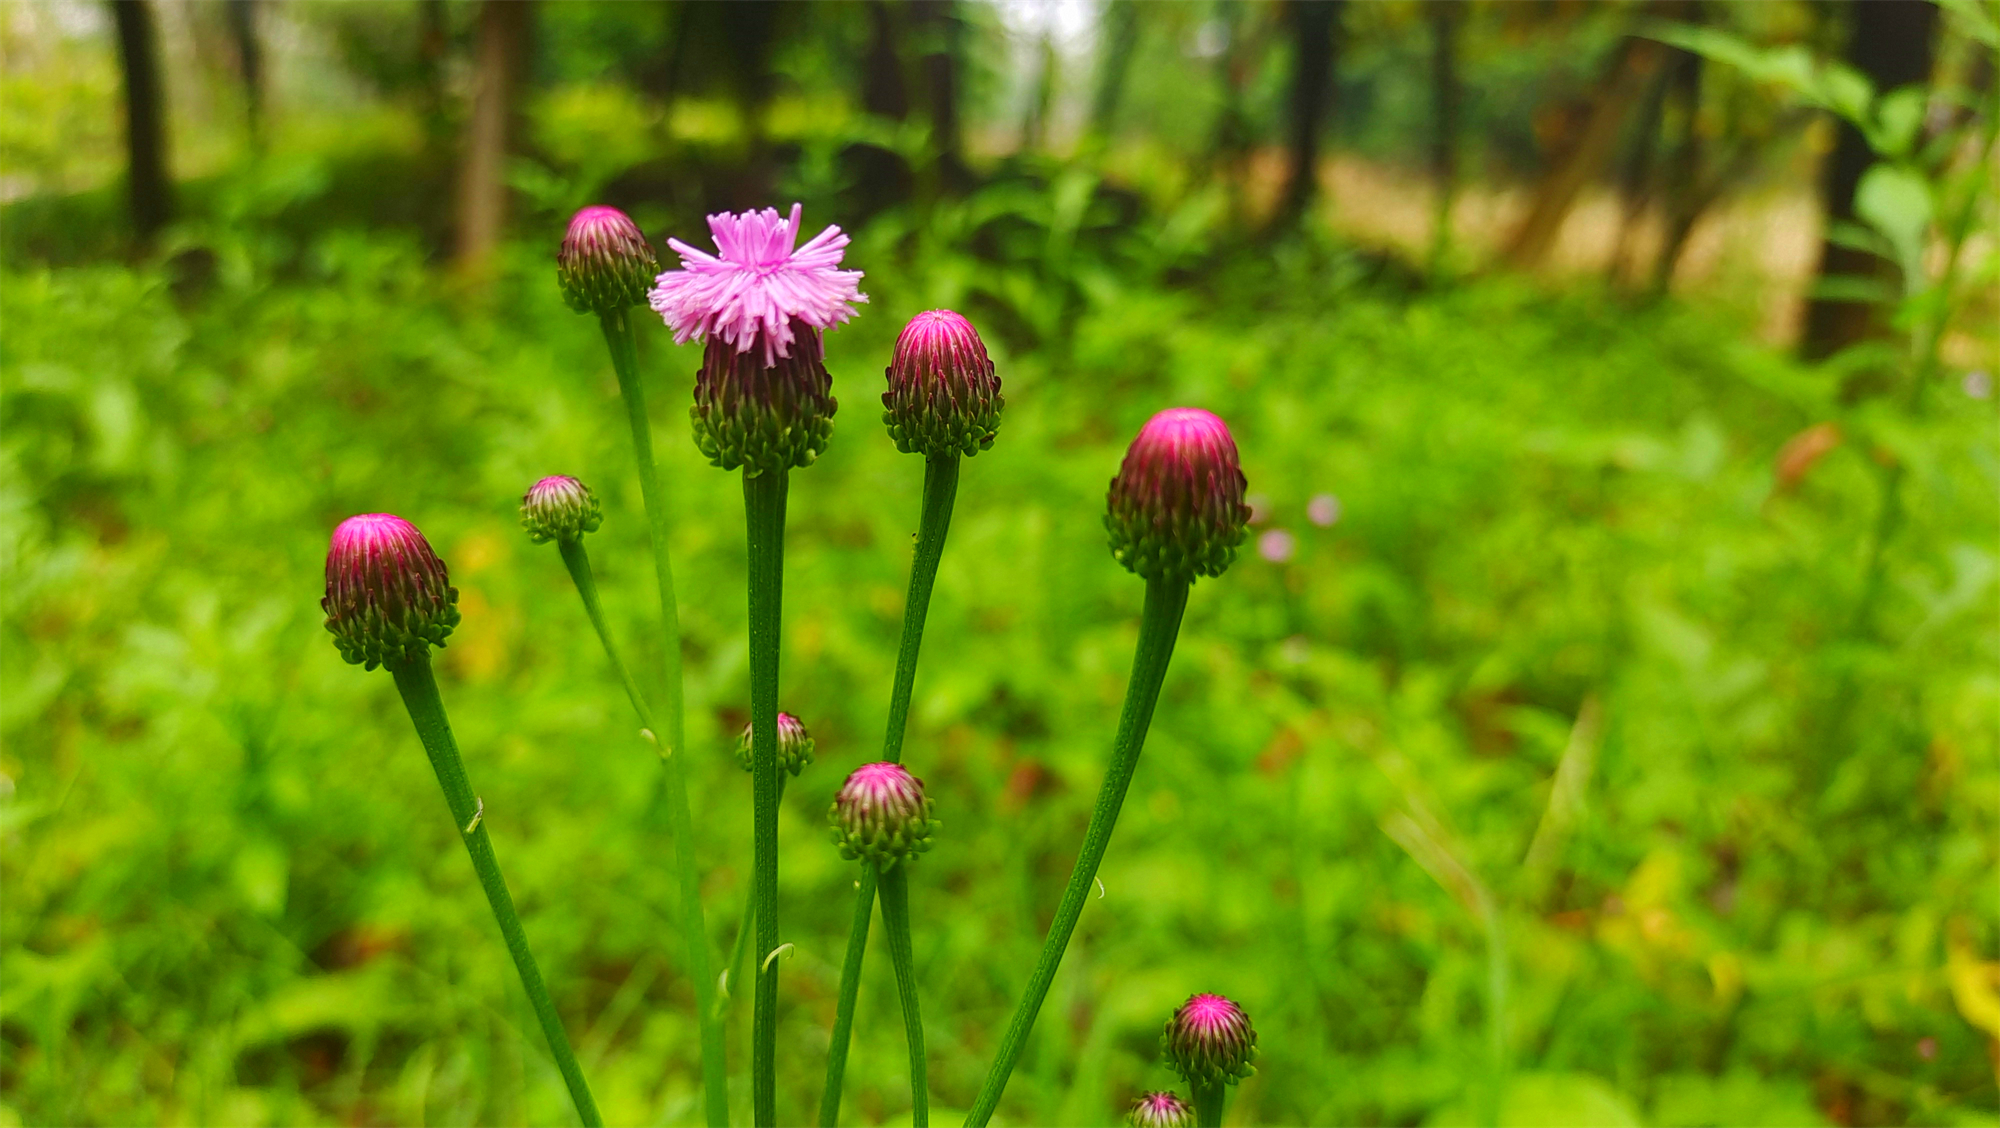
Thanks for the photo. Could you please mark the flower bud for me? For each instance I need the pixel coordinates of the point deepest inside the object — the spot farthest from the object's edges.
(605, 263)
(1176, 506)
(763, 415)
(943, 396)
(388, 596)
(1209, 1041)
(881, 814)
(559, 508)
(795, 745)
(1160, 1110)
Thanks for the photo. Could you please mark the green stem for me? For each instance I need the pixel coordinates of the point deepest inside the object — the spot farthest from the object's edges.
(715, 1081)
(420, 697)
(895, 886)
(764, 514)
(1158, 627)
(850, 981)
(734, 968)
(940, 492)
(578, 563)
(1208, 1104)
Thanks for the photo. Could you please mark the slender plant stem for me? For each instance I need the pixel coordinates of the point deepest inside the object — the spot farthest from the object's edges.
(715, 1080)
(940, 492)
(850, 980)
(1208, 1104)
(420, 697)
(764, 516)
(733, 970)
(895, 886)
(1158, 627)
(578, 563)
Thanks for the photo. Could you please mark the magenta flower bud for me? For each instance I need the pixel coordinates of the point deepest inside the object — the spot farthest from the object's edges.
(795, 745)
(605, 263)
(1209, 1041)
(943, 396)
(559, 508)
(1160, 1110)
(388, 596)
(763, 417)
(881, 814)
(1176, 506)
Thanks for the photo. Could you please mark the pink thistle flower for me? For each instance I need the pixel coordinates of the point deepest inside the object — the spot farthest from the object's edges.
(605, 261)
(1277, 545)
(388, 596)
(1323, 510)
(559, 508)
(795, 745)
(1209, 1041)
(761, 285)
(1160, 1110)
(881, 814)
(943, 396)
(1176, 509)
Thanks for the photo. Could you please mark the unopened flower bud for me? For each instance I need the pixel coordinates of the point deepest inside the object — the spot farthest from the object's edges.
(605, 263)
(763, 414)
(795, 745)
(559, 508)
(1160, 1110)
(1176, 507)
(943, 396)
(388, 596)
(881, 814)
(1209, 1041)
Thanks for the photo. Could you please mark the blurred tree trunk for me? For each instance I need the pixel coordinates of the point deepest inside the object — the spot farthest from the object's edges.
(884, 91)
(1685, 193)
(1121, 38)
(1445, 17)
(1042, 95)
(147, 183)
(1633, 63)
(1229, 140)
(941, 32)
(1636, 174)
(1315, 31)
(502, 52)
(242, 16)
(1891, 43)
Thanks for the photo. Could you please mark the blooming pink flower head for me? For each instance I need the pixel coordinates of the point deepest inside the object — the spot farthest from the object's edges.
(761, 287)
(1176, 508)
(388, 596)
(1209, 1041)
(605, 262)
(795, 745)
(881, 814)
(559, 508)
(1160, 1110)
(943, 396)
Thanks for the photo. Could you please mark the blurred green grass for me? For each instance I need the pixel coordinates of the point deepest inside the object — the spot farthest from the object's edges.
(232, 895)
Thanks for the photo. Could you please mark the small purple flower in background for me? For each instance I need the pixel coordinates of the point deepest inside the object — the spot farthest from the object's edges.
(761, 287)
(1160, 1110)
(1323, 510)
(795, 745)
(1927, 1048)
(1977, 384)
(1176, 507)
(605, 263)
(1260, 508)
(388, 596)
(881, 814)
(559, 508)
(1209, 1041)
(1277, 545)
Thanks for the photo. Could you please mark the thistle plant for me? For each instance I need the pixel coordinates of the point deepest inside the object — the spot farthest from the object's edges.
(1175, 512)
(603, 267)
(943, 402)
(763, 403)
(795, 754)
(388, 600)
(1160, 1110)
(1209, 1041)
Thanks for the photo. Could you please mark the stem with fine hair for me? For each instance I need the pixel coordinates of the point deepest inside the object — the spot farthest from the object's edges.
(895, 887)
(1208, 1104)
(940, 492)
(420, 697)
(624, 358)
(1159, 625)
(764, 520)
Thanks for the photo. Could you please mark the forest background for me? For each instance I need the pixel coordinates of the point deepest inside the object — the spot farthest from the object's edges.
(1598, 728)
